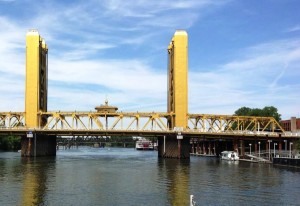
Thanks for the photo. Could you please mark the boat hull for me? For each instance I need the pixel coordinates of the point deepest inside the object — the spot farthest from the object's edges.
(230, 156)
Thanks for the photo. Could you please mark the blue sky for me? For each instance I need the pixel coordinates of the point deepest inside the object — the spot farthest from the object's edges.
(241, 53)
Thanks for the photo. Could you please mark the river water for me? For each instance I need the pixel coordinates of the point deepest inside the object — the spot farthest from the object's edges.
(120, 176)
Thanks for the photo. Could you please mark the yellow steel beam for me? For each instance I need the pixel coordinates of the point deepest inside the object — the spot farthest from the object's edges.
(116, 121)
(232, 122)
(135, 119)
(92, 119)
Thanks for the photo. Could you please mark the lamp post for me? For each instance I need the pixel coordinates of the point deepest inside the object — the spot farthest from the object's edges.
(274, 148)
(259, 149)
(285, 146)
(269, 149)
(291, 143)
(250, 148)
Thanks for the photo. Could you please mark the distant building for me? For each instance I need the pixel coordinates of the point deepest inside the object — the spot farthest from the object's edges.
(292, 124)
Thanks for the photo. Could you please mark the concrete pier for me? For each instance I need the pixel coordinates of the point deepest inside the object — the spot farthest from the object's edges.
(38, 145)
(171, 147)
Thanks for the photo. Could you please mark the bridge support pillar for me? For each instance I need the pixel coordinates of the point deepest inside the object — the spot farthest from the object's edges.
(255, 147)
(242, 146)
(280, 146)
(198, 147)
(235, 146)
(38, 145)
(193, 147)
(171, 147)
(218, 148)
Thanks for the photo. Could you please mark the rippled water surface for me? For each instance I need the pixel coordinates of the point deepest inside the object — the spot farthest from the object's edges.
(114, 176)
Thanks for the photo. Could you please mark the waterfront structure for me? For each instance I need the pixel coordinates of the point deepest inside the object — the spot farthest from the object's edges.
(174, 128)
(292, 124)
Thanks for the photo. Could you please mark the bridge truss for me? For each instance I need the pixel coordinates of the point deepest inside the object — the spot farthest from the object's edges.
(141, 123)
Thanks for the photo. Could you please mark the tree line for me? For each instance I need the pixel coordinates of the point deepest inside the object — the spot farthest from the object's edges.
(268, 111)
(10, 143)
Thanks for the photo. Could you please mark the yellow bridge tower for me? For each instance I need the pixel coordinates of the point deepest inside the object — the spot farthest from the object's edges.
(36, 92)
(178, 79)
(176, 146)
(36, 79)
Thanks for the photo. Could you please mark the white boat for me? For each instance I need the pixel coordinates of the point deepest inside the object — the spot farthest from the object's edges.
(229, 155)
(144, 144)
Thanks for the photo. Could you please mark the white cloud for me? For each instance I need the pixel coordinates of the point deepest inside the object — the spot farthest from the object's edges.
(266, 74)
(11, 48)
(147, 9)
(88, 47)
(293, 29)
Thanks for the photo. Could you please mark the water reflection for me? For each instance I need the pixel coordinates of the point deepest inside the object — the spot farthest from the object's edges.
(176, 174)
(3, 168)
(128, 177)
(35, 178)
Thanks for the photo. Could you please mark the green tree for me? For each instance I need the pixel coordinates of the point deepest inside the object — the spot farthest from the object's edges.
(268, 111)
(243, 111)
(271, 111)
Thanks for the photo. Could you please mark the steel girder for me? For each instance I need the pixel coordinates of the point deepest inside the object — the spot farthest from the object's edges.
(142, 123)
(106, 121)
(12, 119)
(231, 123)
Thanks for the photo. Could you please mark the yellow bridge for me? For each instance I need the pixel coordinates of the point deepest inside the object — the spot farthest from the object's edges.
(176, 126)
(154, 124)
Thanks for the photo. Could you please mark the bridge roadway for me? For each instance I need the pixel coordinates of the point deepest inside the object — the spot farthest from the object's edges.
(148, 133)
(145, 124)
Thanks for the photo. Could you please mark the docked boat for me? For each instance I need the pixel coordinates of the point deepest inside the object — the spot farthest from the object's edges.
(230, 155)
(144, 144)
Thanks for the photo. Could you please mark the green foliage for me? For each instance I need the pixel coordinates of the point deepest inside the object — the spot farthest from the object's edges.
(268, 111)
(10, 143)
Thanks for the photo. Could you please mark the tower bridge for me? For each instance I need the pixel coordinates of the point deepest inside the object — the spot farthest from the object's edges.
(175, 128)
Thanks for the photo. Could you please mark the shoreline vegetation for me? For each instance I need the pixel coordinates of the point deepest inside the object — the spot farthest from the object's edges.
(10, 143)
